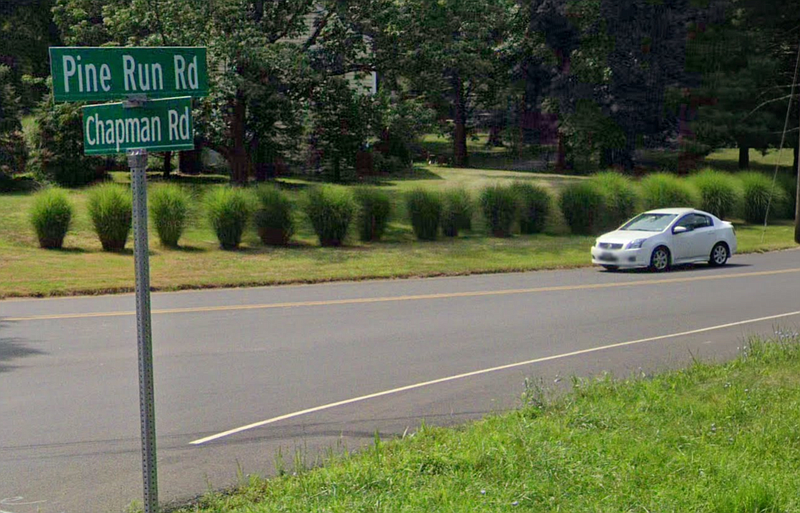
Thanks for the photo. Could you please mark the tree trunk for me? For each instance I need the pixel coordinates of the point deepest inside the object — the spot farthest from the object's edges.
(189, 162)
(796, 163)
(744, 157)
(167, 164)
(237, 159)
(460, 156)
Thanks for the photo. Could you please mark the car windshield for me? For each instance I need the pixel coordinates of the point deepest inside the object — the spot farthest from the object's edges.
(649, 222)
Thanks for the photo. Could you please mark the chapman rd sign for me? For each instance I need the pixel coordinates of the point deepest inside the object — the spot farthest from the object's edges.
(113, 73)
(158, 125)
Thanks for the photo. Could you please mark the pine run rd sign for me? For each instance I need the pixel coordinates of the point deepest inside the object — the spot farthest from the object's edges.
(158, 125)
(113, 73)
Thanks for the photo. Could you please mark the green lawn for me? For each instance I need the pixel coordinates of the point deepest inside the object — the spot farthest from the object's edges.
(709, 439)
(82, 268)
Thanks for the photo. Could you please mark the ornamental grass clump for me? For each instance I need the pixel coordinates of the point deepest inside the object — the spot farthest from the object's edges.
(720, 193)
(582, 205)
(110, 210)
(169, 212)
(500, 208)
(425, 211)
(330, 210)
(457, 209)
(374, 209)
(273, 217)
(228, 210)
(534, 204)
(759, 194)
(789, 185)
(620, 198)
(663, 190)
(51, 216)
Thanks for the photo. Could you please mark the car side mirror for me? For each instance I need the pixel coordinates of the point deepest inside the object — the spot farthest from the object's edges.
(680, 229)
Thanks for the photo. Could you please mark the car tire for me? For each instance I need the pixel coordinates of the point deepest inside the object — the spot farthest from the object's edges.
(611, 267)
(660, 259)
(719, 254)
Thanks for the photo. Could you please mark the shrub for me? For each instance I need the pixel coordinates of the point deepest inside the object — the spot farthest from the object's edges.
(499, 206)
(663, 190)
(169, 211)
(425, 210)
(620, 199)
(720, 193)
(228, 211)
(534, 207)
(789, 185)
(110, 210)
(457, 211)
(273, 217)
(374, 208)
(582, 205)
(330, 210)
(758, 188)
(51, 216)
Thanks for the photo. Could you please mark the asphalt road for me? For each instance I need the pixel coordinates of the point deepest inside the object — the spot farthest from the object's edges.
(224, 359)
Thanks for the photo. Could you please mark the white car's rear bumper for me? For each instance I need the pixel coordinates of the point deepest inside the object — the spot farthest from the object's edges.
(621, 257)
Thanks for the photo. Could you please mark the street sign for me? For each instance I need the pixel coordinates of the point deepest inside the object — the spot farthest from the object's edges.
(113, 73)
(158, 125)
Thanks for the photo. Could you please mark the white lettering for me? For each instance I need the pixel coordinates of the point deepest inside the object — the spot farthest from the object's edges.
(119, 133)
(100, 135)
(105, 77)
(173, 125)
(69, 70)
(91, 77)
(144, 78)
(180, 70)
(129, 65)
(80, 75)
(155, 126)
(132, 128)
(109, 132)
(193, 76)
(158, 77)
(185, 128)
(88, 131)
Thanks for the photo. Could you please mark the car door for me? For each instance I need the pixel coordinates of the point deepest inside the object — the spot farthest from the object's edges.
(703, 236)
(682, 242)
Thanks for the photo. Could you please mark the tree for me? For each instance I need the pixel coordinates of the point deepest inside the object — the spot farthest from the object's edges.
(450, 52)
(13, 151)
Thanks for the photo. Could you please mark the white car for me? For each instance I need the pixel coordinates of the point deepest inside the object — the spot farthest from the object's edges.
(661, 238)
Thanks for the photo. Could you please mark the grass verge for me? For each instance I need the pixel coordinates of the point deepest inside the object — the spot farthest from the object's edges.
(711, 438)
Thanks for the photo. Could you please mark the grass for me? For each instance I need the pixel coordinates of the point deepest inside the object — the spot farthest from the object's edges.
(713, 438)
(82, 268)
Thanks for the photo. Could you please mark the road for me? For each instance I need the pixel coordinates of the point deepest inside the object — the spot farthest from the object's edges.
(392, 353)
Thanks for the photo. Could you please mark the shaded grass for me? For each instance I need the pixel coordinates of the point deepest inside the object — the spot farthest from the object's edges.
(710, 438)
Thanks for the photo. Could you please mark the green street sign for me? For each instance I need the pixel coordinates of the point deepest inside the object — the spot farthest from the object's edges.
(114, 73)
(158, 125)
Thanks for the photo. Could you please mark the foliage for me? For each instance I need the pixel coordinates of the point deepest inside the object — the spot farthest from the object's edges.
(330, 210)
(457, 209)
(58, 141)
(425, 211)
(273, 217)
(13, 150)
(759, 194)
(720, 193)
(663, 190)
(399, 122)
(51, 215)
(228, 210)
(374, 209)
(341, 123)
(583, 206)
(789, 185)
(169, 211)
(620, 198)
(500, 208)
(534, 207)
(110, 210)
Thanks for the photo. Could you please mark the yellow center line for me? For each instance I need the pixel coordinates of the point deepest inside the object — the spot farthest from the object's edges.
(418, 297)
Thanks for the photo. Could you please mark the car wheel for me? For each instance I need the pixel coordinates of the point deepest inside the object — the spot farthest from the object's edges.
(719, 255)
(611, 267)
(659, 260)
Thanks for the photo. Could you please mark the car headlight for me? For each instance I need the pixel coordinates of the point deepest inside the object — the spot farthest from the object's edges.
(635, 244)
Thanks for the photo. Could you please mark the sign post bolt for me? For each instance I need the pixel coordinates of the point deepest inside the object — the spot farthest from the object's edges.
(137, 160)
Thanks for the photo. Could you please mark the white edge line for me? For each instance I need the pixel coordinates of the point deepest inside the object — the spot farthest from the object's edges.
(477, 373)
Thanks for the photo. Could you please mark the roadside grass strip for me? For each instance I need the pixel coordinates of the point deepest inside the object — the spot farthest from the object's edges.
(717, 438)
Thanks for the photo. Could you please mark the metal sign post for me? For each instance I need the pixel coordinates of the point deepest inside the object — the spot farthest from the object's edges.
(137, 161)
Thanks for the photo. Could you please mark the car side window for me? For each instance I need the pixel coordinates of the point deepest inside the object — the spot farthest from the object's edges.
(701, 221)
(687, 222)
